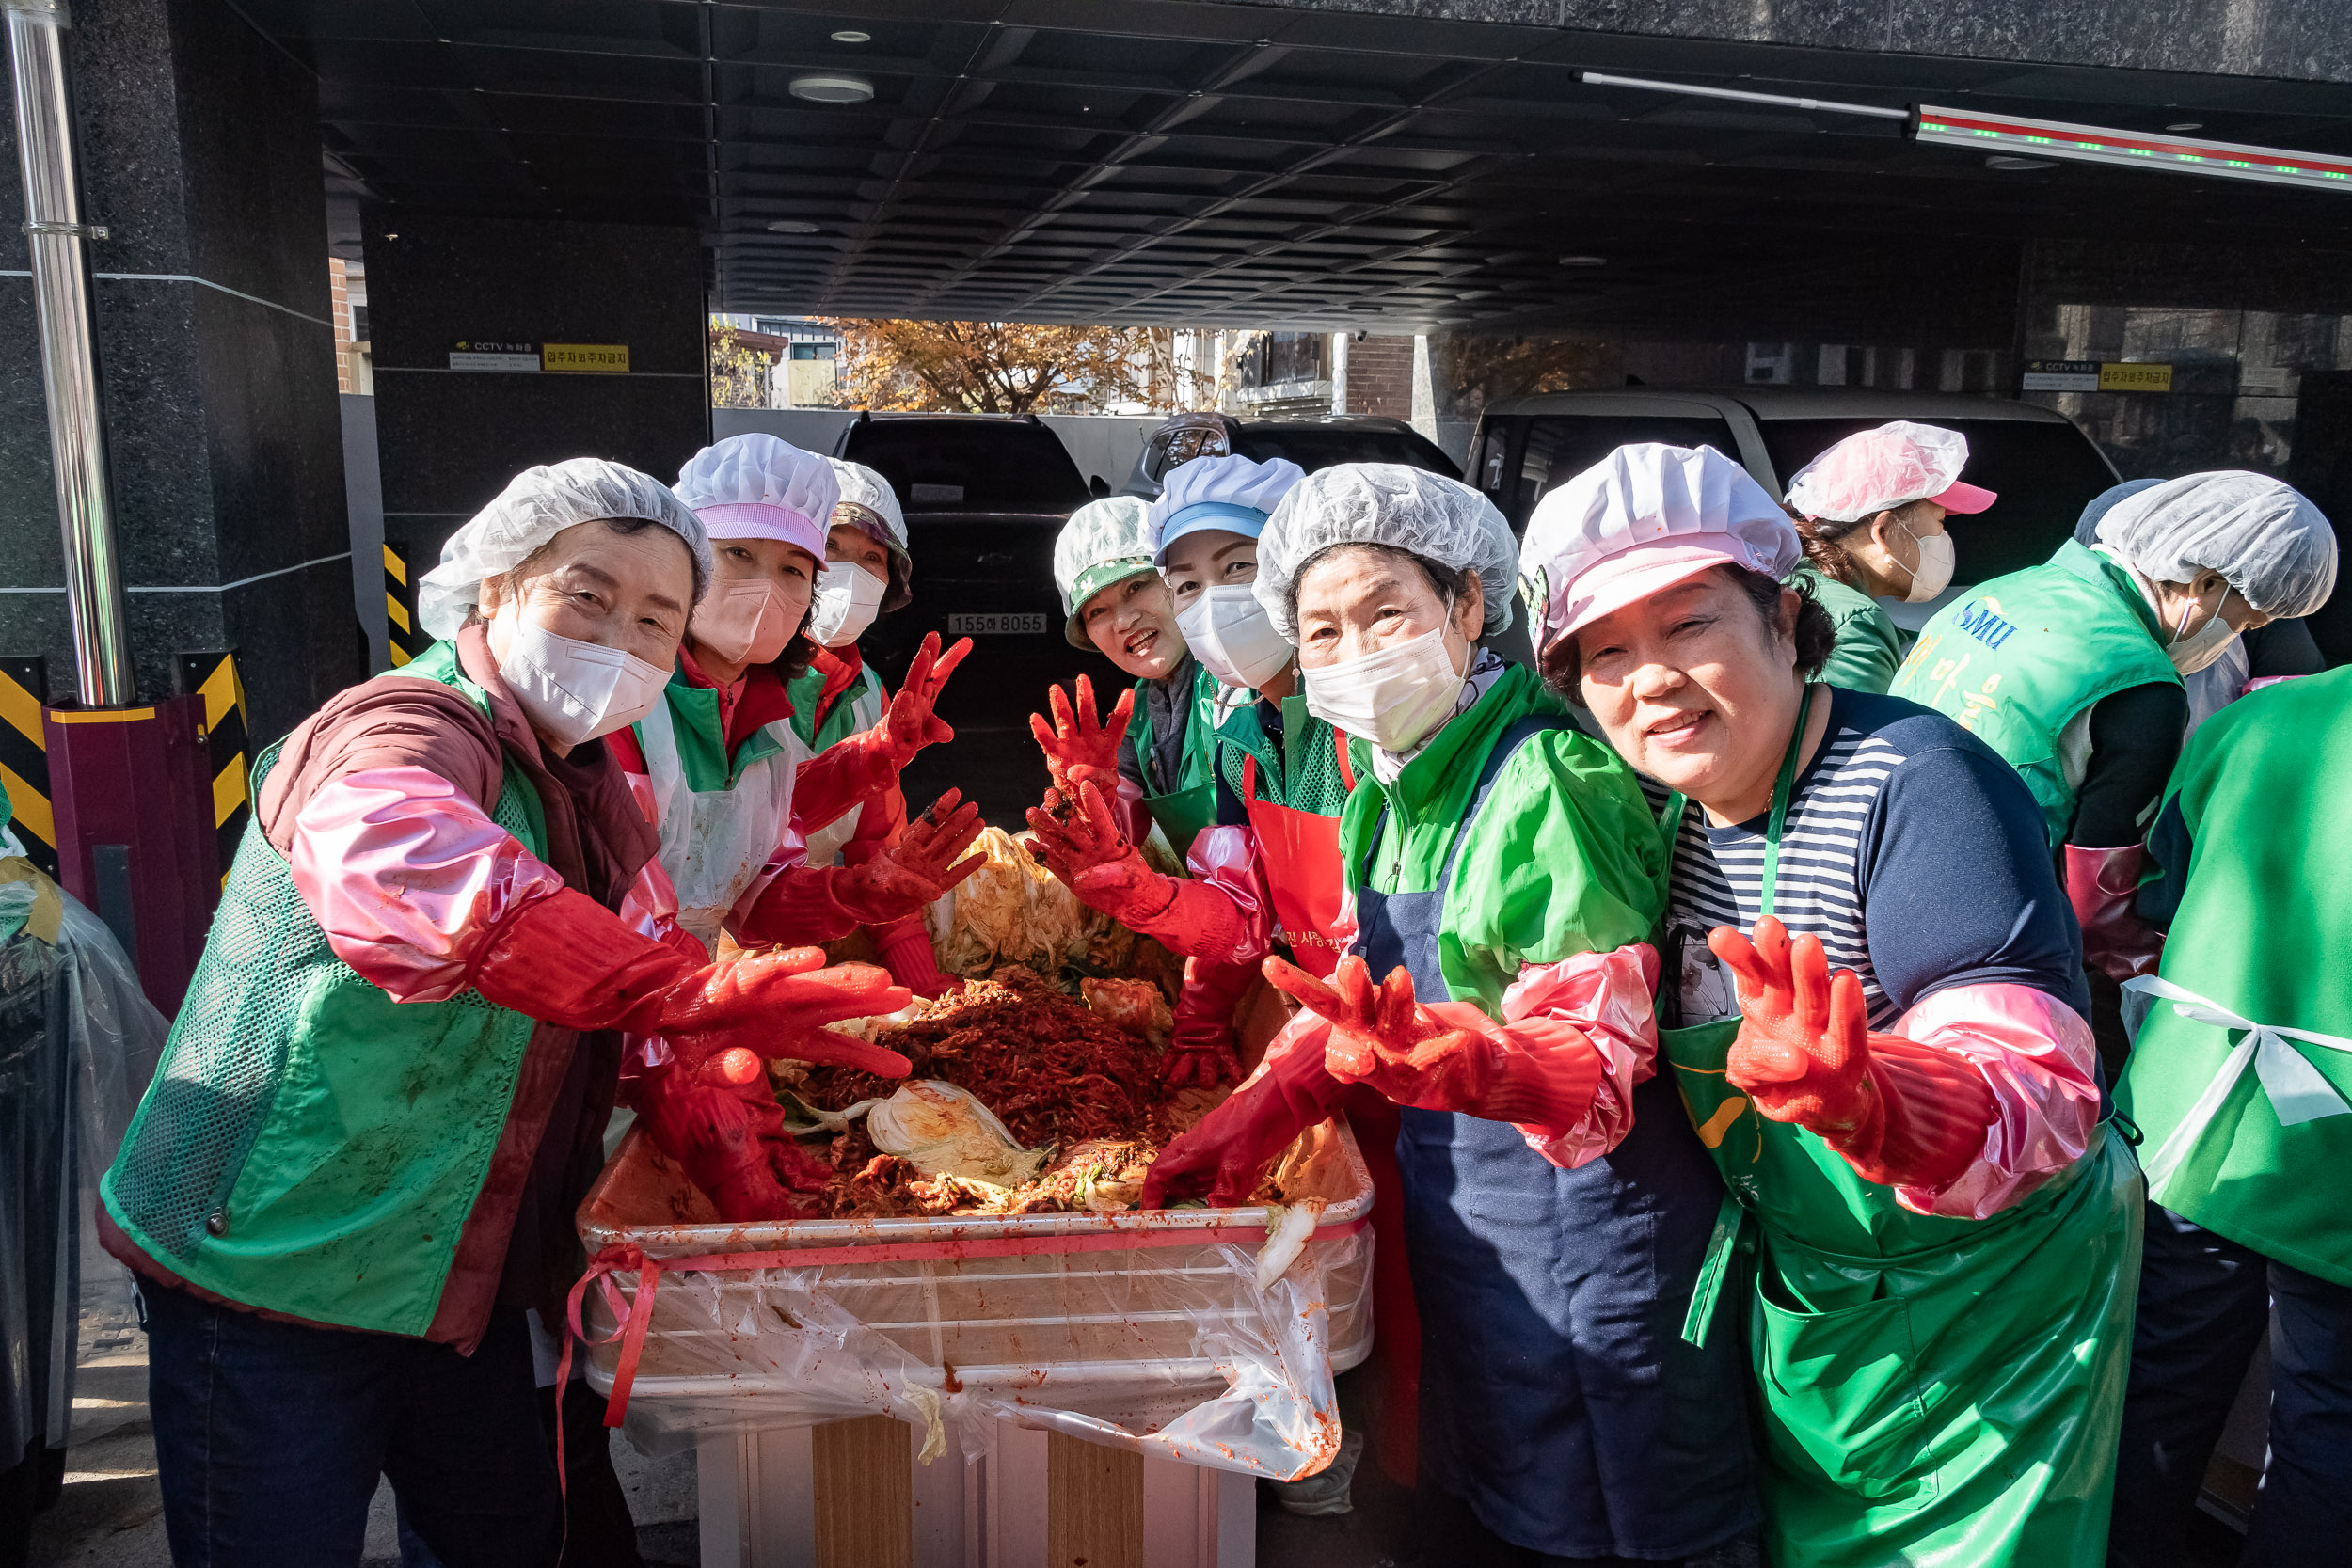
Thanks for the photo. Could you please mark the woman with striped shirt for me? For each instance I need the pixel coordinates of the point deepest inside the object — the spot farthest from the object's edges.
(1945, 1233)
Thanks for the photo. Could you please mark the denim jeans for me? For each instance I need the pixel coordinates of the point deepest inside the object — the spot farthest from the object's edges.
(269, 1437)
(2204, 1303)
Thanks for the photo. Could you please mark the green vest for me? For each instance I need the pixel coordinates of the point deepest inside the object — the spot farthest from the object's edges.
(1186, 804)
(1565, 858)
(2264, 788)
(2025, 656)
(308, 1146)
(1305, 775)
(1868, 646)
(851, 713)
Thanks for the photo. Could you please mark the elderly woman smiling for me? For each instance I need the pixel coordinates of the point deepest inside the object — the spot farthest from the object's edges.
(1946, 1234)
(1505, 873)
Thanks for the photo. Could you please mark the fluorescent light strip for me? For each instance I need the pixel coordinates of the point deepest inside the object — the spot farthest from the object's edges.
(2055, 138)
(1740, 95)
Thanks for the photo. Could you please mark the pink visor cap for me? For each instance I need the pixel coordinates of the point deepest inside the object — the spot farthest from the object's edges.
(1874, 470)
(755, 486)
(1639, 521)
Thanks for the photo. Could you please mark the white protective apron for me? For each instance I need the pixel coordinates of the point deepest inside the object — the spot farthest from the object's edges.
(717, 844)
(825, 844)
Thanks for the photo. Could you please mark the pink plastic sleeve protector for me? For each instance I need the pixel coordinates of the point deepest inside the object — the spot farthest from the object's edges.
(1604, 999)
(410, 879)
(1227, 859)
(2036, 1055)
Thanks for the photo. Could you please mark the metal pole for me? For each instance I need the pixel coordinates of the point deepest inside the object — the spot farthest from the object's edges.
(63, 306)
(1740, 95)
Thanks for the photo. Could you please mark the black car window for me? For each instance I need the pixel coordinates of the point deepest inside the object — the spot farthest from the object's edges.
(2044, 473)
(969, 464)
(1313, 448)
(1561, 446)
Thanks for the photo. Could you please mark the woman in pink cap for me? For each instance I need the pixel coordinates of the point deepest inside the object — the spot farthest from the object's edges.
(1870, 511)
(718, 767)
(1939, 1233)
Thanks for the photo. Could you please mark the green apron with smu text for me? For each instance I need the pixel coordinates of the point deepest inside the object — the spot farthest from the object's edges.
(1187, 804)
(1932, 1390)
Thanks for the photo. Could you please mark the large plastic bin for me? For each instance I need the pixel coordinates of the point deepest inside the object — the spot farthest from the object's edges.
(1127, 1320)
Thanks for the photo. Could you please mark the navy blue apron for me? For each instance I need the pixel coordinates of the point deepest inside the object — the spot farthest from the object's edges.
(1559, 1400)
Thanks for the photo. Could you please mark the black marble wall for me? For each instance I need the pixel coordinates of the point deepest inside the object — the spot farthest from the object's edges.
(199, 152)
(451, 440)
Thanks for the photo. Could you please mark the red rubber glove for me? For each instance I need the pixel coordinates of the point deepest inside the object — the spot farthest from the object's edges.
(909, 724)
(859, 767)
(1079, 748)
(1101, 865)
(1902, 1113)
(2101, 885)
(1201, 1049)
(729, 1139)
(913, 872)
(1456, 1060)
(906, 950)
(568, 960)
(1227, 1150)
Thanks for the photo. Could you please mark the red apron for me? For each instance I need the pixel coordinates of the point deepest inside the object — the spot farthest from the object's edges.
(1300, 850)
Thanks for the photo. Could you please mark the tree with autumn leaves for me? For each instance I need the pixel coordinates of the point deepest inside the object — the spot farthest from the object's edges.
(1011, 367)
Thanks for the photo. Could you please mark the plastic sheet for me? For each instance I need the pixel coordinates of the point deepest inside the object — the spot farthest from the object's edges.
(1177, 1333)
(78, 1042)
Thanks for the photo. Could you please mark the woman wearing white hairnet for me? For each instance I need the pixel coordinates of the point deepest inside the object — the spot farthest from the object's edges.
(357, 1166)
(2072, 670)
(1870, 511)
(1504, 872)
(867, 574)
(730, 781)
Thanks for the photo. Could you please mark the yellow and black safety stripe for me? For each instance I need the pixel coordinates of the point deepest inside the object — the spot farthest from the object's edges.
(213, 676)
(24, 757)
(400, 604)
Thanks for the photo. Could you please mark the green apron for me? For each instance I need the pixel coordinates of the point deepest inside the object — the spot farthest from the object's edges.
(1933, 1390)
(1182, 809)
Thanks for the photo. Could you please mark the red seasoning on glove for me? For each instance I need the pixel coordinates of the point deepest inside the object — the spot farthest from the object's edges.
(1901, 1113)
(1080, 748)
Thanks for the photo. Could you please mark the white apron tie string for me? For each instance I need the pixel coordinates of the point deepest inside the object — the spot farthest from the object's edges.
(2299, 1092)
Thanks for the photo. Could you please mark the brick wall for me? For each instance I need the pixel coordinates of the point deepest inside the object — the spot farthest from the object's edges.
(1380, 376)
(340, 285)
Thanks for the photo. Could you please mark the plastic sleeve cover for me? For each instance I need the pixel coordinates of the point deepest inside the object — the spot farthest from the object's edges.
(794, 907)
(649, 907)
(2036, 1055)
(849, 772)
(1127, 807)
(791, 855)
(1227, 859)
(410, 879)
(1598, 1001)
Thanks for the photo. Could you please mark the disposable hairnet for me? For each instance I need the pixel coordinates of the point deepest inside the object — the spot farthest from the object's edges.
(1892, 466)
(1104, 542)
(1408, 508)
(1233, 493)
(756, 486)
(536, 506)
(2273, 547)
(869, 505)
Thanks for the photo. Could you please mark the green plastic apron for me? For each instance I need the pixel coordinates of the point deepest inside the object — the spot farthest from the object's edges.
(1191, 805)
(1933, 1390)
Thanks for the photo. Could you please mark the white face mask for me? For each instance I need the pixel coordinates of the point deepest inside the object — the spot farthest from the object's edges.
(2200, 647)
(847, 598)
(1394, 698)
(1231, 634)
(574, 692)
(1933, 574)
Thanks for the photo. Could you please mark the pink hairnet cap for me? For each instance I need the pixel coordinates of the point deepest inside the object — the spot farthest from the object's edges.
(1894, 465)
(760, 487)
(1639, 521)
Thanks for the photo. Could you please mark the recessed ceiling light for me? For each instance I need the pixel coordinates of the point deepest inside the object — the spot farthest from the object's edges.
(851, 35)
(792, 226)
(832, 87)
(2014, 165)
(2187, 125)
(392, 236)
(1583, 261)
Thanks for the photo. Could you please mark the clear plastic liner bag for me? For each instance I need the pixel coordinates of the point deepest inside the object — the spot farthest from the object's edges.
(1205, 1336)
(78, 1042)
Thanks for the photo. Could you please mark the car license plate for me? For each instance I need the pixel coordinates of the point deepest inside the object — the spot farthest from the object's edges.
(995, 626)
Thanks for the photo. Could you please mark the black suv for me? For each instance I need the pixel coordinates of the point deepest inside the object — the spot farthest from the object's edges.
(1310, 443)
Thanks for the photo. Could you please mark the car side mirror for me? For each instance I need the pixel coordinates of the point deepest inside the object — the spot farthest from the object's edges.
(1098, 486)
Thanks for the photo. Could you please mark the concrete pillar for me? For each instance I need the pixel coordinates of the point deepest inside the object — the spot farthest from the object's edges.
(448, 438)
(199, 155)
